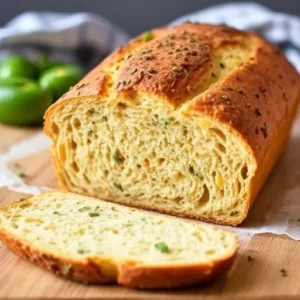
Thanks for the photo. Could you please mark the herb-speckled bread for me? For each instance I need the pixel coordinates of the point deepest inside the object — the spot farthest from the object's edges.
(94, 241)
(187, 120)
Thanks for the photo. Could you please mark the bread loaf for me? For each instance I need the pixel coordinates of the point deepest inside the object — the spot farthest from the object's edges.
(94, 241)
(187, 120)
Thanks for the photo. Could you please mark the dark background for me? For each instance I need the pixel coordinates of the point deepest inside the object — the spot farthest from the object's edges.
(134, 16)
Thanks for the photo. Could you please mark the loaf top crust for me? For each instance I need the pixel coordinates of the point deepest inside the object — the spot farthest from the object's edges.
(218, 72)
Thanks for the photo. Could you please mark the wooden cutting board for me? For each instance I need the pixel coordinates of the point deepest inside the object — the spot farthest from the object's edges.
(257, 278)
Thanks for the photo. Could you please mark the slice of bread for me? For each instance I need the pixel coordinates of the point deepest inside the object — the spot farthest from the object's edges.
(189, 121)
(94, 241)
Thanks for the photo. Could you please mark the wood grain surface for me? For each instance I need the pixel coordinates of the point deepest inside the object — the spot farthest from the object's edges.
(259, 278)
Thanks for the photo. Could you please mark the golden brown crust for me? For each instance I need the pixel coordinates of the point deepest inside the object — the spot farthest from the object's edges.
(82, 271)
(158, 277)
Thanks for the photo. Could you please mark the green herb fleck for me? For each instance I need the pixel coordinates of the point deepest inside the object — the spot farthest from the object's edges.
(134, 71)
(168, 43)
(81, 251)
(234, 213)
(149, 57)
(22, 199)
(162, 247)
(225, 97)
(83, 209)
(222, 65)
(283, 272)
(186, 73)
(92, 110)
(193, 40)
(94, 214)
(192, 170)
(249, 258)
(22, 175)
(147, 36)
(213, 75)
(175, 69)
(128, 56)
(118, 186)
(139, 166)
(56, 213)
(90, 133)
(151, 70)
(147, 51)
(68, 268)
(172, 36)
(118, 158)
(104, 119)
(165, 122)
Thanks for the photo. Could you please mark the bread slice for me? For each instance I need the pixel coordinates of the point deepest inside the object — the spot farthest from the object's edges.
(187, 120)
(89, 240)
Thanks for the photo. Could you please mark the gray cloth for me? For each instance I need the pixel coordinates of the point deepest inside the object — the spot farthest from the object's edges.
(82, 38)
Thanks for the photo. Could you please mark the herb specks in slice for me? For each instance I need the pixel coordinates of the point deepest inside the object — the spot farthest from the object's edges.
(22, 175)
(192, 170)
(22, 199)
(83, 209)
(118, 186)
(118, 158)
(234, 213)
(162, 247)
(165, 122)
(94, 214)
(90, 133)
